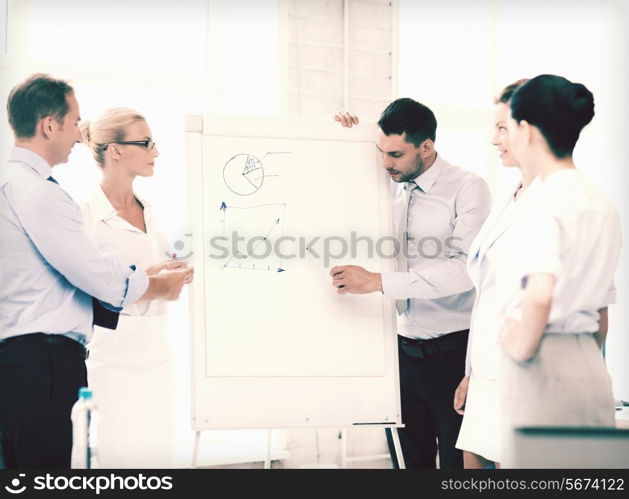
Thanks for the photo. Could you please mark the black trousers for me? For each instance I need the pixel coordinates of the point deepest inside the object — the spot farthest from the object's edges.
(427, 388)
(40, 376)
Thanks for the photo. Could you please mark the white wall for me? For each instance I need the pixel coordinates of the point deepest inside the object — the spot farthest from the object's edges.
(455, 56)
(339, 55)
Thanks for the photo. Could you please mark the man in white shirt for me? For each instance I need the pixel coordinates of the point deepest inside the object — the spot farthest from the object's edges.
(52, 274)
(438, 210)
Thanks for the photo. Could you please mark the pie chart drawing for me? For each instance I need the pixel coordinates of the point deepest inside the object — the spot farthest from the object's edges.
(243, 174)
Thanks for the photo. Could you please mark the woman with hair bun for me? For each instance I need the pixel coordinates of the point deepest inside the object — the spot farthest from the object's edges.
(556, 271)
(131, 370)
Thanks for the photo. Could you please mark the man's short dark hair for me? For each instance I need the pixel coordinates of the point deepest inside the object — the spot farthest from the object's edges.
(38, 96)
(409, 116)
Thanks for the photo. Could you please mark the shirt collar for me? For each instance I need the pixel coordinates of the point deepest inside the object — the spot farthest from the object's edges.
(427, 179)
(532, 188)
(32, 159)
(102, 208)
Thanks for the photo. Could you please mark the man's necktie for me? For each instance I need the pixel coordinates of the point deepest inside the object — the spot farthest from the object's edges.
(100, 315)
(402, 261)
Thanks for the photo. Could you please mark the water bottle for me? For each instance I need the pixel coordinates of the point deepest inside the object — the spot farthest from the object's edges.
(84, 431)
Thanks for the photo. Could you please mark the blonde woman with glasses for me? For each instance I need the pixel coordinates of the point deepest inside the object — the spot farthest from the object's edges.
(131, 370)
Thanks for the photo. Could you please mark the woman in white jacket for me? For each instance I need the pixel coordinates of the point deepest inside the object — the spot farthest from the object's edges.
(477, 396)
(131, 370)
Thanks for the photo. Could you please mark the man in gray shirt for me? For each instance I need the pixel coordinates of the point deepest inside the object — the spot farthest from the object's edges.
(438, 210)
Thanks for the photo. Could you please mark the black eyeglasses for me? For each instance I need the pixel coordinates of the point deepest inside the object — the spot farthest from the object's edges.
(149, 144)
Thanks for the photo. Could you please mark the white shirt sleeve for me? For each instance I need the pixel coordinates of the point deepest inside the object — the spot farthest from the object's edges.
(541, 242)
(55, 225)
(446, 277)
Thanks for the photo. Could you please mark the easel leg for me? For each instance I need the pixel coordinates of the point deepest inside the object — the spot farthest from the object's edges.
(344, 448)
(195, 451)
(267, 460)
(398, 449)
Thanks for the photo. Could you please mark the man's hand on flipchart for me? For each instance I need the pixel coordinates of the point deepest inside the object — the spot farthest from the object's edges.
(355, 279)
(346, 119)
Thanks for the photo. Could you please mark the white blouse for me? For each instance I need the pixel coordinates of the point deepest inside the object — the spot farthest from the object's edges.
(124, 242)
(571, 229)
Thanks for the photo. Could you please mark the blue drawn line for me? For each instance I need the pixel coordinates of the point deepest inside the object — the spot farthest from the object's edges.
(244, 257)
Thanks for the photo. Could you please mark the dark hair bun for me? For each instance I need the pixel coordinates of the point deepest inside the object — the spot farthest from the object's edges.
(557, 107)
(578, 103)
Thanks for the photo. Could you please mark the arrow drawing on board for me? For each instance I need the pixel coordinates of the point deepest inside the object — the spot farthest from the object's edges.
(240, 266)
(266, 236)
(278, 267)
(223, 208)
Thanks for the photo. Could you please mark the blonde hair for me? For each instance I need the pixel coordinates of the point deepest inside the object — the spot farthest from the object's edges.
(107, 128)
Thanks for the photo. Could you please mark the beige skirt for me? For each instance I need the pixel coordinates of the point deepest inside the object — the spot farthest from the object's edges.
(565, 384)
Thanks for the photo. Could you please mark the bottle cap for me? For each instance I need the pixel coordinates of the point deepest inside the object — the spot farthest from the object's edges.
(85, 393)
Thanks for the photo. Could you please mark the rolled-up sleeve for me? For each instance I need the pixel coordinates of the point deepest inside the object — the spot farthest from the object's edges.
(447, 276)
(610, 297)
(54, 223)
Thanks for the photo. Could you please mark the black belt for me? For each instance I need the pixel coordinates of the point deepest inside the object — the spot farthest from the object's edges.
(53, 339)
(423, 348)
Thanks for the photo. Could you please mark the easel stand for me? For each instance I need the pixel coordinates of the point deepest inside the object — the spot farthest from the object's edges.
(344, 458)
(197, 441)
(396, 445)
